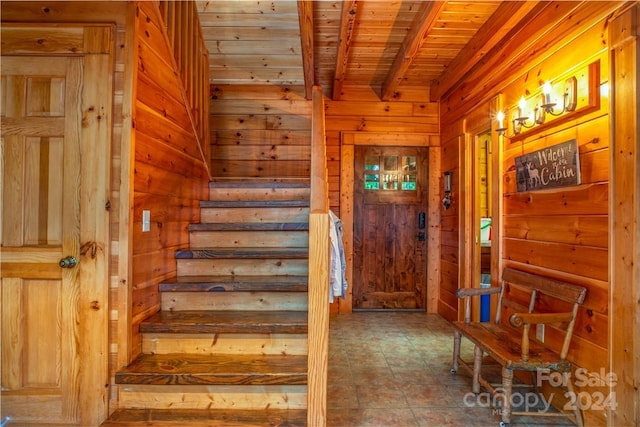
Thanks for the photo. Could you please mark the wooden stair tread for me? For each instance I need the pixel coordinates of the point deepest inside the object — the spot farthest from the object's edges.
(250, 226)
(219, 322)
(260, 183)
(302, 203)
(207, 417)
(235, 284)
(196, 369)
(246, 253)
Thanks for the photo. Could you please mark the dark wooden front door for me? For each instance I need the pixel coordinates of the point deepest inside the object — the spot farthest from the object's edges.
(390, 229)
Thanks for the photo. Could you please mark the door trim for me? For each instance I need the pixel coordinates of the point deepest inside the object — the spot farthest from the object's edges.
(476, 122)
(95, 43)
(348, 140)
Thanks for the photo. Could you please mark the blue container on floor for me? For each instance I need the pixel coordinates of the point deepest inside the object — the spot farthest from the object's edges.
(485, 300)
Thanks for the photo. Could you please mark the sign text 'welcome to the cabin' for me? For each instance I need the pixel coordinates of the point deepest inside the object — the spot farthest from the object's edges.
(551, 167)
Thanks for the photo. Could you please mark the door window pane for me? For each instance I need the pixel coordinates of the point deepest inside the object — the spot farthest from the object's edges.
(409, 173)
(390, 173)
(372, 163)
(391, 163)
(371, 181)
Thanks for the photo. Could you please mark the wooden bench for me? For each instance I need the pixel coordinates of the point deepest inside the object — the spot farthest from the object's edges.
(510, 343)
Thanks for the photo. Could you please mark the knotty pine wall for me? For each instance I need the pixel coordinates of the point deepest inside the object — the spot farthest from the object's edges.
(561, 233)
(169, 175)
(361, 110)
(259, 131)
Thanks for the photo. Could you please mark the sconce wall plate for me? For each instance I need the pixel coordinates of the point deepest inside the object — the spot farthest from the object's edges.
(447, 180)
(447, 186)
(571, 92)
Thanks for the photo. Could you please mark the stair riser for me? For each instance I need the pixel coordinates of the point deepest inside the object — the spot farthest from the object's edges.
(242, 267)
(248, 239)
(233, 194)
(240, 301)
(229, 215)
(289, 344)
(212, 397)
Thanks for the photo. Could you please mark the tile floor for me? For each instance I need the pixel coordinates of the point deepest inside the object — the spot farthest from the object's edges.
(392, 369)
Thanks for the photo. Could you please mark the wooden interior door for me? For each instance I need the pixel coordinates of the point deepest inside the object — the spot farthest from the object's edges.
(40, 226)
(390, 227)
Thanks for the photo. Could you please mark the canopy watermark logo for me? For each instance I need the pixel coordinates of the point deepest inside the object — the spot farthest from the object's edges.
(587, 399)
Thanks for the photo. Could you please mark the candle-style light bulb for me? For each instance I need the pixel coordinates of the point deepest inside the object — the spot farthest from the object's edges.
(500, 117)
(546, 89)
(521, 106)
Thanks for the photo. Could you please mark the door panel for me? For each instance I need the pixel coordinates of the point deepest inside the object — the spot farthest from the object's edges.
(41, 119)
(390, 243)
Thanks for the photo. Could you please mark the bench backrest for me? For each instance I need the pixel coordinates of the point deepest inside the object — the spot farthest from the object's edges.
(555, 288)
(572, 294)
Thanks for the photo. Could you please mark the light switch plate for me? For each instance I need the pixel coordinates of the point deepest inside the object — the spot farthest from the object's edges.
(146, 221)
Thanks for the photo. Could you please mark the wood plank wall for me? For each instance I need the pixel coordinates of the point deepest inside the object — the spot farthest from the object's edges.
(169, 175)
(452, 138)
(361, 110)
(561, 233)
(259, 131)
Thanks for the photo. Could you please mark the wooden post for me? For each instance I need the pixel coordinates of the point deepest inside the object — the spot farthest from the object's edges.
(624, 305)
(319, 244)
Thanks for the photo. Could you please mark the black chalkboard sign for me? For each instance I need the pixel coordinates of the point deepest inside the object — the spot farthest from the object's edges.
(552, 167)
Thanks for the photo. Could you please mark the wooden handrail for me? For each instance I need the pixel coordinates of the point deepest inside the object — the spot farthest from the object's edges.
(192, 61)
(319, 264)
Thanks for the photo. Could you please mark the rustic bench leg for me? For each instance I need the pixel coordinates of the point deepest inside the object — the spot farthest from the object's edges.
(507, 385)
(576, 412)
(457, 337)
(477, 366)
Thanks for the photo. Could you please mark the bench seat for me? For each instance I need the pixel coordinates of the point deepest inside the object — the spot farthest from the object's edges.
(504, 346)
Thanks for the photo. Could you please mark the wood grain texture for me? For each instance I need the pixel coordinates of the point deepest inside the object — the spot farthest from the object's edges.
(169, 175)
(243, 253)
(223, 397)
(65, 179)
(199, 418)
(219, 322)
(223, 283)
(215, 370)
(625, 231)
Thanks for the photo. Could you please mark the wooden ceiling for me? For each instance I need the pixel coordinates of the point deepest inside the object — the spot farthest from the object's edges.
(386, 45)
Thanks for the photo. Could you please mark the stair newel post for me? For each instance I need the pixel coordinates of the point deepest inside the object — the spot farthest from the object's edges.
(319, 262)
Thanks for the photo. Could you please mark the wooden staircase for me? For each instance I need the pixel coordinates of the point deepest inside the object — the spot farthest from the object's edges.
(229, 346)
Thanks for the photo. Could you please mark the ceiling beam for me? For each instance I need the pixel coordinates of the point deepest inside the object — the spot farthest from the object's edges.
(426, 18)
(349, 9)
(305, 16)
(506, 17)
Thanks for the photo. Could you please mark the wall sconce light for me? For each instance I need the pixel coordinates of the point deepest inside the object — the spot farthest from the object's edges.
(520, 120)
(568, 100)
(501, 129)
(447, 184)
